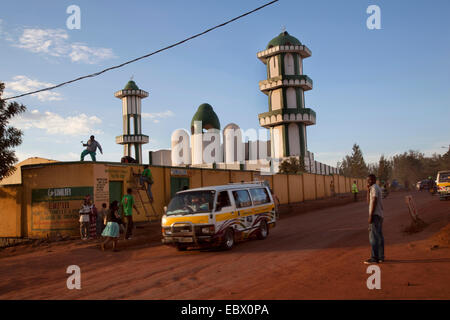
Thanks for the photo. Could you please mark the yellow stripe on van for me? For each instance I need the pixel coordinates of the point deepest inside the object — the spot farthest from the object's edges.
(193, 219)
(224, 216)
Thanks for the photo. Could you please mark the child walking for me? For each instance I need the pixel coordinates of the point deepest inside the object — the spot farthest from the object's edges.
(111, 231)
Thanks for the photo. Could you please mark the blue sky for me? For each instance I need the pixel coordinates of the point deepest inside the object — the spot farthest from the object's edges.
(387, 90)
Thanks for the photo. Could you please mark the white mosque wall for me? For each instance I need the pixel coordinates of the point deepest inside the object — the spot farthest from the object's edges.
(275, 99)
(161, 158)
(300, 64)
(291, 98)
(212, 147)
(233, 146)
(273, 67)
(181, 151)
(277, 138)
(289, 64)
(294, 139)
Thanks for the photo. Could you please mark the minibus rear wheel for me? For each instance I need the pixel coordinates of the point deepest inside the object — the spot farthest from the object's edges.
(228, 239)
(263, 230)
(181, 248)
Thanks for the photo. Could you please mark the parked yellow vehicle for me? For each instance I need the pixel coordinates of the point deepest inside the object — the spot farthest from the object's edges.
(443, 184)
(218, 215)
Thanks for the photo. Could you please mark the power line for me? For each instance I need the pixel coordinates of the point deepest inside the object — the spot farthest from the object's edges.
(145, 56)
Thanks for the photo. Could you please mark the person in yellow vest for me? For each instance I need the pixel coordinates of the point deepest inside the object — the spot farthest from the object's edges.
(146, 176)
(355, 191)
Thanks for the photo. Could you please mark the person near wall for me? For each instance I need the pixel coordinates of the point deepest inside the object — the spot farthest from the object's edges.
(355, 191)
(93, 222)
(111, 231)
(146, 177)
(85, 212)
(376, 238)
(128, 205)
(91, 148)
(101, 219)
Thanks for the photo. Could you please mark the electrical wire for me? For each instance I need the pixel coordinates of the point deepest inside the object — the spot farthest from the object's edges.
(144, 56)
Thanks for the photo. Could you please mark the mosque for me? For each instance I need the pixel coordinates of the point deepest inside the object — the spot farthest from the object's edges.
(204, 146)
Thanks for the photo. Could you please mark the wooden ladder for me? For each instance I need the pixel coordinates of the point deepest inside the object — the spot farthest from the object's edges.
(137, 187)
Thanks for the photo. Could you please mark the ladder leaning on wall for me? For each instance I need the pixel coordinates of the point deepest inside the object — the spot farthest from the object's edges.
(137, 188)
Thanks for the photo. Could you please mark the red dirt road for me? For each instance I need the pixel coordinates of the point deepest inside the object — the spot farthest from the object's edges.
(315, 255)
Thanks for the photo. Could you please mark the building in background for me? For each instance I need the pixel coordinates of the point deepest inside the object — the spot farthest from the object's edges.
(286, 121)
(132, 138)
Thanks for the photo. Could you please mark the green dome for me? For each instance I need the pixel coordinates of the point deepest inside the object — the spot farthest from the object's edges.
(207, 116)
(131, 85)
(283, 38)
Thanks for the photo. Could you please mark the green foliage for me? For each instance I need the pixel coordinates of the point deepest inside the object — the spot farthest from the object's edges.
(292, 165)
(354, 165)
(410, 167)
(10, 137)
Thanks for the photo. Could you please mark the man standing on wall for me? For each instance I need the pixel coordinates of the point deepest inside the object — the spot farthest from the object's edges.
(128, 205)
(375, 220)
(355, 191)
(91, 149)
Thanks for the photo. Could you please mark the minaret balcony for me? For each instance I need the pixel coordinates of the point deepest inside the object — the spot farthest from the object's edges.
(301, 81)
(132, 138)
(131, 92)
(284, 116)
(302, 50)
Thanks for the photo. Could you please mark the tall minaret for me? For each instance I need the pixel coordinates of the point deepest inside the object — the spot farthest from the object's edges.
(285, 86)
(131, 97)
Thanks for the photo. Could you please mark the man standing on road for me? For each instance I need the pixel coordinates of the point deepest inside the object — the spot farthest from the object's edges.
(92, 146)
(128, 205)
(375, 220)
(355, 191)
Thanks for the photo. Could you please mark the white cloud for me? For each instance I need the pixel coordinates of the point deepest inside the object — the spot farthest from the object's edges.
(22, 84)
(55, 42)
(156, 116)
(53, 123)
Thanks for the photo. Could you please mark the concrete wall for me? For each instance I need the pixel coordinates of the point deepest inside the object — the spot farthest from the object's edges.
(50, 196)
(10, 211)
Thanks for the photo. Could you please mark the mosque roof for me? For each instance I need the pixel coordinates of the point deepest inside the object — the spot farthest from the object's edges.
(282, 39)
(207, 116)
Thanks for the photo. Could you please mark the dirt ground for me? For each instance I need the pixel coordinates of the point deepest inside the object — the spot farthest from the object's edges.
(315, 252)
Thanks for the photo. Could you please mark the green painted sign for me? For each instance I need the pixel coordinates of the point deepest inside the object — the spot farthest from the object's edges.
(61, 194)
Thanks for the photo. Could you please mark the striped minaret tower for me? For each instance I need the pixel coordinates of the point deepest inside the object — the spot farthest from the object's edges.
(132, 136)
(285, 87)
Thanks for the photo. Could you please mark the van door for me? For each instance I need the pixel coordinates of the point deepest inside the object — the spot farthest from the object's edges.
(224, 211)
(244, 210)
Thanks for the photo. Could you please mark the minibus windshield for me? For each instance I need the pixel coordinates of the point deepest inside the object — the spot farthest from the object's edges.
(191, 202)
(444, 176)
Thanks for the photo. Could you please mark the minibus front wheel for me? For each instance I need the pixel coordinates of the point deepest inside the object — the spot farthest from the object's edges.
(228, 239)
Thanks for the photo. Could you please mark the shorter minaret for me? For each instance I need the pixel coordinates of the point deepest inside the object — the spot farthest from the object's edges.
(132, 136)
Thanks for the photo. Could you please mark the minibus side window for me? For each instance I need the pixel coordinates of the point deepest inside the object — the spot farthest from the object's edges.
(259, 196)
(242, 198)
(223, 200)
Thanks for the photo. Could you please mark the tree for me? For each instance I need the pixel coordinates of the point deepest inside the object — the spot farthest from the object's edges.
(409, 167)
(292, 165)
(384, 169)
(10, 137)
(354, 165)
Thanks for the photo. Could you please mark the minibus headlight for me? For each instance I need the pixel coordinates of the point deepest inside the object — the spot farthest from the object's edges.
(207, 230)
